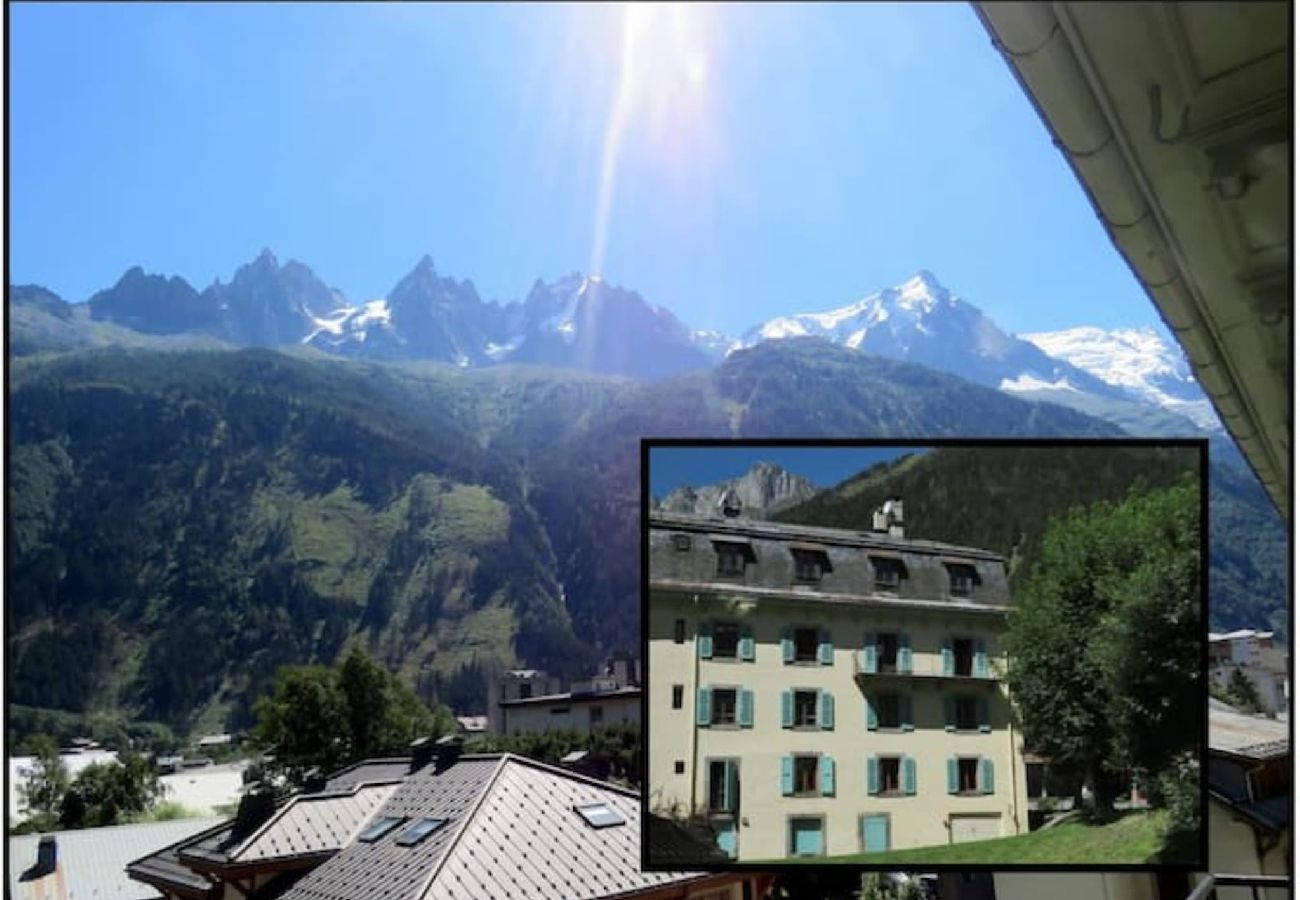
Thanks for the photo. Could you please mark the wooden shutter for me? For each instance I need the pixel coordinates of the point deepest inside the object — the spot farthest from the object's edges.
(945, 651)
(703, 706)
(909, 776)
(873, 721)
(787, 709)
(986, 775)
(729, 785)
(745, 714)
(827, 709)
(953, 783)
(787, 645)
(704, 640)
(904, 654)
(869, 654)
(787, 775)
(873, 775)
(825, 649)
(827, 766)
(746, 643)
(980, 667)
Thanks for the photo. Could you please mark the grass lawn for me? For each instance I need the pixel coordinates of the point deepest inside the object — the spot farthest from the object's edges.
(1133, 838)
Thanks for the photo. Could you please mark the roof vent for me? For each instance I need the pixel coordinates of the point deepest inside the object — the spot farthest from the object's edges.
(47, 855)
(889, 518)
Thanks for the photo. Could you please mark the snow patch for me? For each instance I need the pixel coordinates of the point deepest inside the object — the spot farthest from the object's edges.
(1027, 382)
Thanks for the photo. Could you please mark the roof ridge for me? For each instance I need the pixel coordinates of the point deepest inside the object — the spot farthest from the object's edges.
(300, 797)
(570, 774)
(460, 828)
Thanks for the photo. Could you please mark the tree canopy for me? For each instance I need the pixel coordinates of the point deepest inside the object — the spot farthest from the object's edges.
(324, 718)
(1104, 642)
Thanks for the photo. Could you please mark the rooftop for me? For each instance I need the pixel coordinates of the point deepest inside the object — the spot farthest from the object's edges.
(575, 697)
(1240, 734)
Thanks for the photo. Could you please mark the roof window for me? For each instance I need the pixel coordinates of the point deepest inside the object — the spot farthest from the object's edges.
(600, 815)
(419, 831)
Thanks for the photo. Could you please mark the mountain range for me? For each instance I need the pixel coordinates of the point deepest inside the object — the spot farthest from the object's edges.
(764, 490)
(1135, 378)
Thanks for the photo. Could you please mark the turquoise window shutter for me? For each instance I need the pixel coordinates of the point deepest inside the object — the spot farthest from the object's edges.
(726, 836)
(949, 714)
(828, 776)
(946, 652)
(872, 719)
(729, 785)
(875, 833)
(704, 640)
(904, 654)
(905, 712)
(869, 654)
(825, 650)
(702, 708)
(828, 709)
(873, 775)
(746, 643)
(787, 709)
(985, 726)
(909, 776)
(746, 712)
(986, 775)
(952, 775)
(787, 775)
(980, 666)
(787, 645)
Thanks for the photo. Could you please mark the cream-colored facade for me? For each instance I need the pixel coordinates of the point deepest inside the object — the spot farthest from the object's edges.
(841, 768)
(567, 712)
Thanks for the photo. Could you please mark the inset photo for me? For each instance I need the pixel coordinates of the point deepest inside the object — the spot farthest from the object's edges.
(925, 655)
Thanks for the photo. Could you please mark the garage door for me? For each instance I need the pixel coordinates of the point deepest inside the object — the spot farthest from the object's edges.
(975, 828)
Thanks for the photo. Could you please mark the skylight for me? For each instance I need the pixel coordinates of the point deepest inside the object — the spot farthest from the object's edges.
(419, 831)
(600, 815)
(379, 828)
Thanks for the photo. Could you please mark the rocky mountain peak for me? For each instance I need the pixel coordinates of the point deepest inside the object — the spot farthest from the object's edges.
(763, 490)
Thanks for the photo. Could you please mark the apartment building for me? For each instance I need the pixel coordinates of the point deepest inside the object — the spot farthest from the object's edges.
(818, 691)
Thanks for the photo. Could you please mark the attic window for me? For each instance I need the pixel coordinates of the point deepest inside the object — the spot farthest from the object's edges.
(962, 579)
(600, 815)
(379, 828)
(419, 831)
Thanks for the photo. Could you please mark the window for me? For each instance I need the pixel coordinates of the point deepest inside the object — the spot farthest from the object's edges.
(963, 652)
(724, 786)
(809, 565)
(679, 767)
(890, 778)
(805, 774)
(965, 714)
(889, 572)
(805, 644)
(525, 691)
(726, 640)
(806, 837)
(805, 709)
(559, 710)
(961, 580)
(600, 815)
(732, 559)
(379, 828)
(968, 775)
(419, 831)
(888, 712)
(724, 706)
(886, 653)
(679, 631)
(597, 715)
(679, 692)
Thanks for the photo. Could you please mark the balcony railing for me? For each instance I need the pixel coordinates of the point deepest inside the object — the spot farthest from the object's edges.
(1206, 889)
(923, 666)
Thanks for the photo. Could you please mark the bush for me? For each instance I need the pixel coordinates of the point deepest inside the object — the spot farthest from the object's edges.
(1179, 792)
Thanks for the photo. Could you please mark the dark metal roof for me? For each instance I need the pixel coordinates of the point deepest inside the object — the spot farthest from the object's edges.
(370, 771)
(671, 844)
(569, 697)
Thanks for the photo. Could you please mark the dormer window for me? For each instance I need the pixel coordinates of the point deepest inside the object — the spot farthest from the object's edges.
(962, 579)
(810, 562)
(732, 556)
(889, 571)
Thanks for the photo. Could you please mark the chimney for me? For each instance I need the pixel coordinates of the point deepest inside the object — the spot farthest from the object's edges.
(447, 752)
(47, 855)
(729, 504)
(255, 808)
(314, 781)
(421, 753)
(889, 518)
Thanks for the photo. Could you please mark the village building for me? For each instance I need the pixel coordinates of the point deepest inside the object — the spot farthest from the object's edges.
(439, 825)
(820, 691)
(523, 701)
(1259, 659)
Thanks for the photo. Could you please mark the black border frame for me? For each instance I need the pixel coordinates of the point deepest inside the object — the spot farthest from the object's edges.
(844, 869)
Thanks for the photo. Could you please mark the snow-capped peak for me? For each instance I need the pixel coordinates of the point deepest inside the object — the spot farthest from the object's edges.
(1141, 361)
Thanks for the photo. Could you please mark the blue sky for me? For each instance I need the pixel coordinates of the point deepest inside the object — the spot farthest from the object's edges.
(672, 467)
(731, 163)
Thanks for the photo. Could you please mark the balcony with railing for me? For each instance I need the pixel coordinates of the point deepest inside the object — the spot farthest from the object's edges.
(951, 664)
